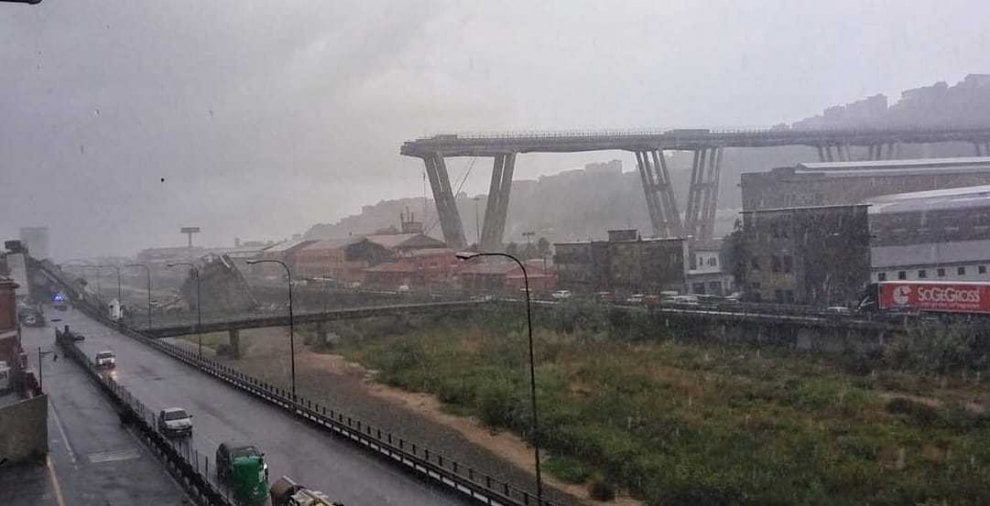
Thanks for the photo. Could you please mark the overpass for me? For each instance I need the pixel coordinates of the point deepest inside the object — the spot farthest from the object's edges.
(256, 322)
(649, 147)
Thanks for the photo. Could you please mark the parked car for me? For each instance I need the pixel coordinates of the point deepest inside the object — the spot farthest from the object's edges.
(561, 294)
(175, 422)
(106, 360)
(837, 310)
(636, 298)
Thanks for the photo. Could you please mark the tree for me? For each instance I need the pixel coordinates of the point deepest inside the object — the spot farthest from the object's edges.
(543, 247)
(512, 249)
(734, 254)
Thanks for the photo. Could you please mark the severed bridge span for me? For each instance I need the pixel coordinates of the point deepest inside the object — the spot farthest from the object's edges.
(649, 148)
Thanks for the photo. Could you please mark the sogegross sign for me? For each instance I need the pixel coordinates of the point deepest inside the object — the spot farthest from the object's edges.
(933, 296)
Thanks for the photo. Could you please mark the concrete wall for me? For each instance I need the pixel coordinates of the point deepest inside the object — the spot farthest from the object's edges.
(24, 429)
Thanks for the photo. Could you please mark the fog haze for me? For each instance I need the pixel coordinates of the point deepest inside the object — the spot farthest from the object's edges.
(122, 121)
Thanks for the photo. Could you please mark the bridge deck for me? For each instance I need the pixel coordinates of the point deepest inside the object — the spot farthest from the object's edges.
(569, 142)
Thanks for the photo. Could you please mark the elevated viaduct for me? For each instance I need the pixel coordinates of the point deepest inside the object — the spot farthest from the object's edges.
(649, 148)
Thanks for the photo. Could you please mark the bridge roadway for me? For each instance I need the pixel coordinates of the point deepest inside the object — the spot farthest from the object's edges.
(282, 320)
(678, 140)
(220, 413)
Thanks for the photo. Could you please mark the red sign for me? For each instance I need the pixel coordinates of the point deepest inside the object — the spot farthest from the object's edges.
(936, 296)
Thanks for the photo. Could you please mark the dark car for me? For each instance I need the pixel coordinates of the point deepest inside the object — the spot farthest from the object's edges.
(228, 451)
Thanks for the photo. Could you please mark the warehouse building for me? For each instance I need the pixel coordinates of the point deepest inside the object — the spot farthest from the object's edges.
(806, 255)
(625, 263)
(845, 183)
(938, 235)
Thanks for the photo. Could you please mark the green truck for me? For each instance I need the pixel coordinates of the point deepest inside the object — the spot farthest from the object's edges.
(242, 467)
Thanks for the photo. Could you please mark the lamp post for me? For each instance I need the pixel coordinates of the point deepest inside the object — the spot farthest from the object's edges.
(532, 363)
(147, 270)
(114, 267)
(199, 305)
(292, 344)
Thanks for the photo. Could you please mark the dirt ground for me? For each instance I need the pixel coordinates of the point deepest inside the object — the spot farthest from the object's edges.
(416, 416)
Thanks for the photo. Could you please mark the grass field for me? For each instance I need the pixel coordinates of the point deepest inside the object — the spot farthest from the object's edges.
(678, 422)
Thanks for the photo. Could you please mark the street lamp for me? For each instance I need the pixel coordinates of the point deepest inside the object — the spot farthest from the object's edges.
(466, 255)
(199, 305)
(147, 271)
(114, 267)
(292, 344)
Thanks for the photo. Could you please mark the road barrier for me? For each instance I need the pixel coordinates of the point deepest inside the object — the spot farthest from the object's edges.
(189, 467)
(409, 456)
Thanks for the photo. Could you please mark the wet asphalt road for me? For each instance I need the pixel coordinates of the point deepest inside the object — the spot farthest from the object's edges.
(220, 413)
(92, 460)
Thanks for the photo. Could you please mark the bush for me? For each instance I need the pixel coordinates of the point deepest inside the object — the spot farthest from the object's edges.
(568, 469)
(600, 490)
(920, 413)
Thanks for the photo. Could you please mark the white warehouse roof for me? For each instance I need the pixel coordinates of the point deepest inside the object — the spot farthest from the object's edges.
(930, 200)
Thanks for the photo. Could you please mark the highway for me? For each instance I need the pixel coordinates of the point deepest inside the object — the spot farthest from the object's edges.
(220, 413)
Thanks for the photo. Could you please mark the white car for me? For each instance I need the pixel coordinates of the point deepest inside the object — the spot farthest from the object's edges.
(561, 294)
(106, 360)
(175, 422)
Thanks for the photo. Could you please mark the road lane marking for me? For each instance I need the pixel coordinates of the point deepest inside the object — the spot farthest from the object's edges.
(61, 430)
(113, 455)
(54, 479)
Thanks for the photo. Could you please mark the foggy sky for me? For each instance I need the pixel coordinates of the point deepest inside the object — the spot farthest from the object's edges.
(264, 117)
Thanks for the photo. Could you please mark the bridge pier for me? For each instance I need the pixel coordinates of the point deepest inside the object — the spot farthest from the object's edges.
(450, 218)
(699, 218)
(982, 148)
(234, 341)
(660, 201)
(497, 208)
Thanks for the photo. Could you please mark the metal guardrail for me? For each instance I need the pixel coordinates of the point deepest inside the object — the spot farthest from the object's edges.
(189, 467)
(414, 458)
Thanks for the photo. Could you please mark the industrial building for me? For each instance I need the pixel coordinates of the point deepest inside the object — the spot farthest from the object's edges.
(931, 235)
(625, 263)
(845, 183)
(705, 275)
(806, 255)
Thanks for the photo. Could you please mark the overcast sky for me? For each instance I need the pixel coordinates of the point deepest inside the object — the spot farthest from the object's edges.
(266, 116)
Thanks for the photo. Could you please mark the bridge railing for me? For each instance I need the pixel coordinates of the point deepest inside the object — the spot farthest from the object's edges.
(689, 132)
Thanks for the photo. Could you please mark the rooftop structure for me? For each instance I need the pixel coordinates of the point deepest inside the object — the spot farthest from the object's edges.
(846, 183)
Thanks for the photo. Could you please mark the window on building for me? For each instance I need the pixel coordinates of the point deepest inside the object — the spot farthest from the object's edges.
(774, 263)
(901, 275)
(940, 272)
(961, 271)
(881, 276)
(713, 261)
(922, 274)
(788, 263)
(755, 264)
(982, 269)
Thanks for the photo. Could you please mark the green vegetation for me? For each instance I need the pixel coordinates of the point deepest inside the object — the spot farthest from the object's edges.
(678, 422)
